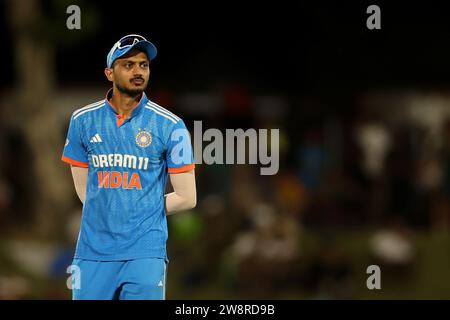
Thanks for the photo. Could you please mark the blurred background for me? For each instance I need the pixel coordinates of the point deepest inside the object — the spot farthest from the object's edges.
(364, 119)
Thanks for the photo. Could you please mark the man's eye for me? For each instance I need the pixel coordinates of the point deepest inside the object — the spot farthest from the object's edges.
(144, 65)
(128, 65)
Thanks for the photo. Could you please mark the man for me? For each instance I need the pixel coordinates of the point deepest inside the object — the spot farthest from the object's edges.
(121, 151)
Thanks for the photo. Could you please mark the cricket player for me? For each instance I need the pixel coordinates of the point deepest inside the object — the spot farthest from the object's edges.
(121, 151)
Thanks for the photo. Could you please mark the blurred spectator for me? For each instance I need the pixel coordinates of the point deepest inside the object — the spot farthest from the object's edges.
(375, 142)
(16, 177)
(400, 177)
(393, 249)
(440, 197)
(312, 158)
(329, 275)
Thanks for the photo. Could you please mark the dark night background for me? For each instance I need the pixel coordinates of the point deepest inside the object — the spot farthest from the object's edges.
(310, 47)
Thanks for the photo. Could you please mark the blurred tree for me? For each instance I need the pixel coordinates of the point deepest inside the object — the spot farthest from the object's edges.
(37, 29)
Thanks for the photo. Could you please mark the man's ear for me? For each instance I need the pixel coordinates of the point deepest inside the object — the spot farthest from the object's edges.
(109, 74)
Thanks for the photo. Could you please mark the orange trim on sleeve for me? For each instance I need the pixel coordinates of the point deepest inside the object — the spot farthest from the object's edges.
(182, 169)
(75, 162)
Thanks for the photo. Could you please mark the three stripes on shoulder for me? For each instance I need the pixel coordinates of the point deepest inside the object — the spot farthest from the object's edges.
(89, 107)
(162, 111)
(150, 105)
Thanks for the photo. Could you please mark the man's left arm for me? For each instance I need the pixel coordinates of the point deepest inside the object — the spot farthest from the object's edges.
(184, 196)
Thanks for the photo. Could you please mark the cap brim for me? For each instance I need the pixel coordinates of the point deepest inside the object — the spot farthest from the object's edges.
(147, 47)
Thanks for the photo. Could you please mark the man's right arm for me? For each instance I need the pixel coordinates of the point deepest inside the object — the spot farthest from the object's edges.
(75, 154)
(79, 176)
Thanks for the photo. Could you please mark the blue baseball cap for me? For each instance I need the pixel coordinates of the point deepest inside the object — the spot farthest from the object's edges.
(125, 44)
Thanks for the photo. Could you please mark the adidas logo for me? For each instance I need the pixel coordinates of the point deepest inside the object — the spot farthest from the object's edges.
(96, 138)
(160, 284)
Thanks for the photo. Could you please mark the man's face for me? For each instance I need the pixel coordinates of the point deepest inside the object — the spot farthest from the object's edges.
(130, 73)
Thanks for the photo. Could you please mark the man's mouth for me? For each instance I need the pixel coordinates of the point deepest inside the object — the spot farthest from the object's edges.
(137, 81)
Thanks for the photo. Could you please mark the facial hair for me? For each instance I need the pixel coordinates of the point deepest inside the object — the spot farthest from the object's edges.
(130, 92)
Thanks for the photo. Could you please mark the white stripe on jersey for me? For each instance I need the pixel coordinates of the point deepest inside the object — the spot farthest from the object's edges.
(165, 280)
(160, 113)
(157, 106)
(88, 110)
(92, 105)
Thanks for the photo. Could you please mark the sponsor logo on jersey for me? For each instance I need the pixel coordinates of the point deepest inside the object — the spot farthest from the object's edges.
(119, 160)
(118, 179)
(96, 139)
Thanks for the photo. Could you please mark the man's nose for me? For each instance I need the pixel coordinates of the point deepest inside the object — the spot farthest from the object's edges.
(137, 75)
(136, 69)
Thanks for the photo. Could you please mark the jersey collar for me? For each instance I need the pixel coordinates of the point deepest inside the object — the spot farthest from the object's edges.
(136, 109)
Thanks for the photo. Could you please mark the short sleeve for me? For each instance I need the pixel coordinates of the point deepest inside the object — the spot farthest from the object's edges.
(179, 155)
(74, 151)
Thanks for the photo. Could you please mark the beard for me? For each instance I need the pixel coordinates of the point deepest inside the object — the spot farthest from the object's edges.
(130, 91)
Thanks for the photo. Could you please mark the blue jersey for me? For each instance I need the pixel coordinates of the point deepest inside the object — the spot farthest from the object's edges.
(129, 160)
